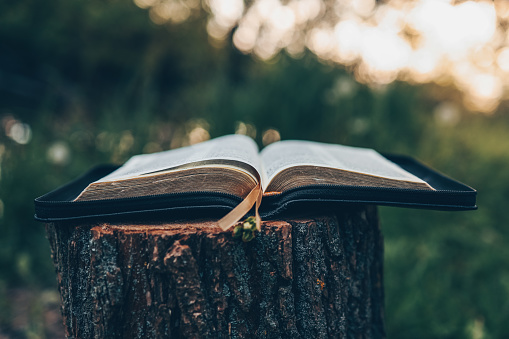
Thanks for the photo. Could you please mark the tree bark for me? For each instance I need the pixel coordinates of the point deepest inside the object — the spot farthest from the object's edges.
(318, 277)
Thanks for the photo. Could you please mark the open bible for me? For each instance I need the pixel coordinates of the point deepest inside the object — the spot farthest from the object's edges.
(233, 165)
(221, 173)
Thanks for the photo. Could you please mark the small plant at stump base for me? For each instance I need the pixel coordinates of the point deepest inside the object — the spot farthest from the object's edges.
(246, 230)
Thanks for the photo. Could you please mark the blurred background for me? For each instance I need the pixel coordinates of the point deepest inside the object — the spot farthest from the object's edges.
(88, 82)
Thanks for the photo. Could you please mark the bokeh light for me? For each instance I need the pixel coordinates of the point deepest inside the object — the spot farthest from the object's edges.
(460, 43)
(16, 130)
(59, 153)
(270, 136)
(245, 129)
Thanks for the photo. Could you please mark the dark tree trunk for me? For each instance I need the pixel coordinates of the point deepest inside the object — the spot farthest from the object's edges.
(319, 277)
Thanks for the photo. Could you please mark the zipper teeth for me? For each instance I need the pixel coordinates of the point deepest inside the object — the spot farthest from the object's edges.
(229, 195)
(166, 195)
(371, 188)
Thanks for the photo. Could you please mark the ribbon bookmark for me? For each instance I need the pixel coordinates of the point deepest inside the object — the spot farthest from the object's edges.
(254, 197)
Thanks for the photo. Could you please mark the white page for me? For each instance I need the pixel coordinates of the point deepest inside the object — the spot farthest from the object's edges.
(285, 154)
(231, 147)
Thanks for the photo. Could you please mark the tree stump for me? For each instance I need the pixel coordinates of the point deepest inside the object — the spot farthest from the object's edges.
(318, 277)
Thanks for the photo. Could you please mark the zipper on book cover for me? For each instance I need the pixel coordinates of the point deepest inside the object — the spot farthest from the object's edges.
(368, 188)
(66, 208)
(331, 192)
(191, 193)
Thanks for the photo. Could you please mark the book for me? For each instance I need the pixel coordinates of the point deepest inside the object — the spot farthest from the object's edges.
(232, 164)
(230, 173)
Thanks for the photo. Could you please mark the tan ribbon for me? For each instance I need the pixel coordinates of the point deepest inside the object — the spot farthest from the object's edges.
(254, 197)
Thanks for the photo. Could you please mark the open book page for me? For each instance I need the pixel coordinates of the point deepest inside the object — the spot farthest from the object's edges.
(285, 154)
(231, 147)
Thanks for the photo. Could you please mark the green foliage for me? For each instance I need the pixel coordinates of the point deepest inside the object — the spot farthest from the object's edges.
(246, 230)
(455, 264)
(99, 81)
